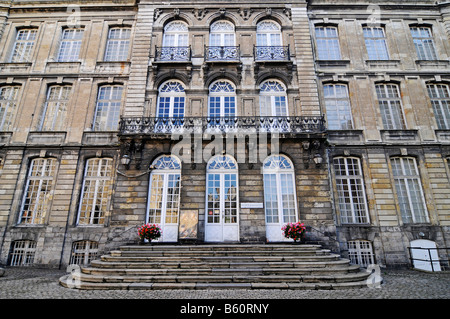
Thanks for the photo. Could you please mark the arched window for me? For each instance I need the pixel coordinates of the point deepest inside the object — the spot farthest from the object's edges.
(222, 34)
(327, 40)
(164, 196)
(273, 99)
(268, 33)
(171, 100)
(389, 101)
(351, 194)
(176, 34)
(280, 200)
(439, 95)
(222, 199)
(222, 104)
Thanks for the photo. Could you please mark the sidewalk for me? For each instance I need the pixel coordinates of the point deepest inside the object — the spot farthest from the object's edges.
(34, 283)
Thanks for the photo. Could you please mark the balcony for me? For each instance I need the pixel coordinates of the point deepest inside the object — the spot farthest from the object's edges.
(173, 54)
(271, 53)
(222, 54)
(158, 126)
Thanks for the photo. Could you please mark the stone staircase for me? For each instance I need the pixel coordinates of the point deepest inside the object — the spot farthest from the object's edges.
(234, 266)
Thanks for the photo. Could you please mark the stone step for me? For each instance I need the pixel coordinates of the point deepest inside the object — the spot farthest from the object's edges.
(215, 264)
(152, 283)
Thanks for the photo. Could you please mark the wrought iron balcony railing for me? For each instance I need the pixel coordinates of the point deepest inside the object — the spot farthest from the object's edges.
(222, 53)
(173, 54)
(269, 124)
(272, 53)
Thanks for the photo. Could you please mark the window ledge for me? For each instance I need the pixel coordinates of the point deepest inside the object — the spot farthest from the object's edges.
(433, 64)
(333, 63)
(15, 66)
(399, 135)
(383, 64)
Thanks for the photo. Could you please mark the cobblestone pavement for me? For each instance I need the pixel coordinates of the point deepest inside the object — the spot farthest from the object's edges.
(34, 283)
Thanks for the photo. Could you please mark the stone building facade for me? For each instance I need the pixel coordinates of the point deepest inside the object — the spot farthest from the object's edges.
(221, 122)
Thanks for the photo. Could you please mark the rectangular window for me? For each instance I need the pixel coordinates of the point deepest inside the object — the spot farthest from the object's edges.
(328, 43)
(424, 43)
(22, 253)
(107, 111)
(375, 43)
(118, 44)
(69, 49)
(83, 252)
(8, 104)
(55, 108)
(409, 190)
(96, 191)
(337, 103)
(390, 106)
(360, 252)
(439, 95)
(23, 45)
(38, 191)
(350, 191)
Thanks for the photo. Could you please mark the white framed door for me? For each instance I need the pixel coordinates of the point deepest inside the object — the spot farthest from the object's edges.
(222, 201)
(280, 202)
(164, 197)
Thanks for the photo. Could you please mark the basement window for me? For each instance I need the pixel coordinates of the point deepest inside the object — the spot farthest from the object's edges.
(22, 253)
(360, 252)
(83, 252)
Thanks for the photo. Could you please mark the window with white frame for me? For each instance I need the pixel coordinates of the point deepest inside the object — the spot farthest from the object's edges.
(107, 111)
(279, 190)
(165, 183)
(360, 253)
(222, 100)
(337, 104)
(22, 253)
(273, 99)
(351, 194)
(222, 34)
(69, 48)
(9, 96)
(118, 44)
(171, 100)
(424, 43)
(268, 33)
(83, 252)
(439, 95)
(327, 40)
(38, 191)
(55, 108)
(23, 46)
(375, 39)
(390, 105)
(409, 190)
(96, 191)
(176, 34)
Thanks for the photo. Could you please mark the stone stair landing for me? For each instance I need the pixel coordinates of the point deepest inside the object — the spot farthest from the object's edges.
(236, 266)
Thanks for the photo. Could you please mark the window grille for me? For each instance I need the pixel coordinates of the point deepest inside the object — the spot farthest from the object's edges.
(424, 43)
(83, 252)
(360, 253)
(96, 191)
(38, 191)
(69, 49)
(337, 103)
(108, 106)
(376, 43)
(409, 190)
(327, 40)
(8, 104)
(23, 45)
(440, 100)
(351, 195)
(22, 253)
